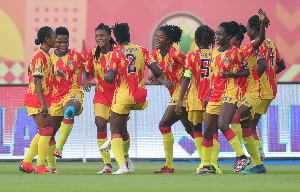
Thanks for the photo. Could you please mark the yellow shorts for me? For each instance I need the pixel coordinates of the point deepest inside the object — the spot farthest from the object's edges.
(250, 101)
(102, 110)
(57, 109)
(125, 108)
(176, 95)
(33, 111)
(215, 107)
(196, 116)
(263, 106)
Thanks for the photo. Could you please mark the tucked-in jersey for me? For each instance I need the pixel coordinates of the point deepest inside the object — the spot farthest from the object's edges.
(251, 84)
(171, 64)
(72, 64)
(268, 79)
(129, 62)
(104, 92)
(41, 66)
(199, 63)
(231, 59)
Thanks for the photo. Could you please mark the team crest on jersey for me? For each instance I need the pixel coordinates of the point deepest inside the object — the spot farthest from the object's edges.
(70, 64)
(170, 64)
(227, 60)
(244, 64)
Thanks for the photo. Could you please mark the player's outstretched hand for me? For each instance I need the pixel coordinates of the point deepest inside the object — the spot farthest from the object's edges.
(60, 73)
(44, 110)
(226, 74)
(152, 80)
(86, 85)
(178, 109)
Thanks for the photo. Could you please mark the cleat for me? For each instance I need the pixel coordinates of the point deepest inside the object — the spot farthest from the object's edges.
(165, 169)
(262, 154)
(26, 167)
(57, 154)
(255, 169)
(241, 164)
(200, 166)
(105, 147)
(52, 168)
(42, 169)
(106, 169)
(123, 170)
(217, 168)
(129, 164)
(206, 170)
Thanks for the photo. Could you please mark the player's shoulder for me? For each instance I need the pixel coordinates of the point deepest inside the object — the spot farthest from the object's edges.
(39, 54)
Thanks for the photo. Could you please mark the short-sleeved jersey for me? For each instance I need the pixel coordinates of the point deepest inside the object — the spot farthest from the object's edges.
(198, 63)
(268, 79)
(104, 92)
(171, 64)
(72, 64)
(41, 66)
(251, 84)
(129, 62)
(231, 59)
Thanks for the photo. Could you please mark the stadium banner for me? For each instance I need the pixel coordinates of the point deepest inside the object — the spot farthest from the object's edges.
(279, 129)
(23, 19)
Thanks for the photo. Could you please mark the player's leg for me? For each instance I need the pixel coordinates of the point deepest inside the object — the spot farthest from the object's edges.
(56, 122)
(126, 146)
(168, 119)
(71, 108)
(226, 115)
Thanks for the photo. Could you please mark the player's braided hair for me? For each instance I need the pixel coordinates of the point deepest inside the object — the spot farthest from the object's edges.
(121, 32)
(106, 28)
(254, 22)
(205, 35)
(240, 35)
(42, 34)
(62, 31)
(173, 33)
(231, 28)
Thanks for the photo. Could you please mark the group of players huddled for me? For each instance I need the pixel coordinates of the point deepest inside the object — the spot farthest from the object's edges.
(220, 85)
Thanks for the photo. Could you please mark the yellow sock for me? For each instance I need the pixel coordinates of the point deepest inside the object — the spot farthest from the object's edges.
(215, 151)
(42, 149)
(168, 140)
(117, 148)
(126, 146)
(33, 149)
(258, 142)
(105, 155)
(234, 142)
(198, 143)
(65, 130)
(238, 131)
(207, 152)
(252, 150)
(50, 157)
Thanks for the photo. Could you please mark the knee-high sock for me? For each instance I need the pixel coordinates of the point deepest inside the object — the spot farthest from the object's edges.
(251, 146)
(257, 139)
(33, 149)
(198, 139)
(215, 149)
(238, 131)
(43, 144)
(168, 141)
(207, 151)
(65, 130)
(117, 148)
(101, 139)
(234, 142)
(126, 144)
(50, 157)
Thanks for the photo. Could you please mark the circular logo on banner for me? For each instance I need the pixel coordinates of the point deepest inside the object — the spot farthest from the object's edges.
(188, 23)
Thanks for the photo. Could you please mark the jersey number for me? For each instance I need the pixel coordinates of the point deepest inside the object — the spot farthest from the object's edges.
(205, 67)
(271, 55)
(131, 58)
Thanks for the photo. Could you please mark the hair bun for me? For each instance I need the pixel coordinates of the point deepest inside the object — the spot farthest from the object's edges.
(37, 42)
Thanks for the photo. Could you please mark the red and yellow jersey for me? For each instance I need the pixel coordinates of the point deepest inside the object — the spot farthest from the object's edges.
(199, 63)
(72, 64)
(251, 84)
(129, 62)
(104, 92)
(171, 64)
(231, 59)
(268, 79)
(41, 66)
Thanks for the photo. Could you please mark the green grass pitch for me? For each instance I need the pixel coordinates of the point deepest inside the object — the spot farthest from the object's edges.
(77, 176)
